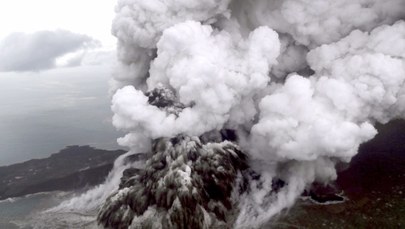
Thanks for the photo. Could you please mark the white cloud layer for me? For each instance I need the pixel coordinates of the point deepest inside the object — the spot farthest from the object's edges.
(90, 17)
(39, 50)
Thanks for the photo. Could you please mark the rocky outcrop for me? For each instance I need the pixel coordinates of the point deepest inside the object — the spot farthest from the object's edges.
(186, 184)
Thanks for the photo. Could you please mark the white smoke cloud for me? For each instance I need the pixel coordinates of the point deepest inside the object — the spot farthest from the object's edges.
(358, 80)
(368, 67)
(292, 117)
(223, 73)
(139, 25)
(214, 81)
(301, 81)
(316, 22)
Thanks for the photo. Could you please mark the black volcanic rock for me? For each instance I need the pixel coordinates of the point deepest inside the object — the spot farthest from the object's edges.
(72, 168)
(324, 193)
(185, 184)
(165, 99)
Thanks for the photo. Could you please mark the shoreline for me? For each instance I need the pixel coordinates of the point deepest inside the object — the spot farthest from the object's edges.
(72, 168)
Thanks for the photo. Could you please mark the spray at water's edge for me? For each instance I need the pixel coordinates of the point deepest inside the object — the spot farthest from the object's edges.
(91, 200)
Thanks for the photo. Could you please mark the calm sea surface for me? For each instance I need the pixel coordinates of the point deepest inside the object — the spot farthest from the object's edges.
(41, 113)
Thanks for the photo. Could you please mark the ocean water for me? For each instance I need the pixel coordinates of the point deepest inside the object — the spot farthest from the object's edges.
(32, 212)
(14, 211)
(42, 112)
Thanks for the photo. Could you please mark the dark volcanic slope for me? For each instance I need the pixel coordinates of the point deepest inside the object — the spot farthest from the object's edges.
(73, 167)
(380, 164)
(374, 184)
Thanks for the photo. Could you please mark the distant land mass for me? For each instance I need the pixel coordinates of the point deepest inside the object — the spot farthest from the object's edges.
(72, 168)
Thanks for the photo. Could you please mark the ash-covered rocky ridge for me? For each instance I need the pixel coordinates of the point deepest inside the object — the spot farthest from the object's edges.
(188, 181)
(186, 184)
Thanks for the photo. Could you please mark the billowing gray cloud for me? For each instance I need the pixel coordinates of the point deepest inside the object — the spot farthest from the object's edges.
(39, 50)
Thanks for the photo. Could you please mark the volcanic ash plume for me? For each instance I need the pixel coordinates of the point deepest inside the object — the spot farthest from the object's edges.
(241, 105)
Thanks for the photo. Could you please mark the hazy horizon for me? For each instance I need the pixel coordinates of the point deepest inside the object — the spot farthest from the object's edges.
(43, 112)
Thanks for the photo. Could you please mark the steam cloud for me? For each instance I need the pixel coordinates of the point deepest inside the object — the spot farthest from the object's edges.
(301, 82)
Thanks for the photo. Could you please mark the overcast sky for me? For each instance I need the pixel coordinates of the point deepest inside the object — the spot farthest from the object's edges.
(90, 17)
(56, 57)
(45, 34)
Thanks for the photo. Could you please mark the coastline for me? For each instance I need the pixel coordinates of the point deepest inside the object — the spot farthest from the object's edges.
(72, 168)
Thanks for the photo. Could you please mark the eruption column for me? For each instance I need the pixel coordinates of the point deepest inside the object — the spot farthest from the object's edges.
(298, 83)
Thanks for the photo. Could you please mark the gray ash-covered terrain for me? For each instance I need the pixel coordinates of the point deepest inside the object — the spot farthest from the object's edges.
(186, 184)
(72, 168)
